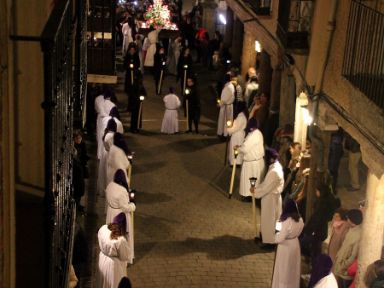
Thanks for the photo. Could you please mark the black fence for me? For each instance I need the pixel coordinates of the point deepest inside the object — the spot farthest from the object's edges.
(260, 7)
(294, 22)
(80, 67)
(57, 46)
(364, 51)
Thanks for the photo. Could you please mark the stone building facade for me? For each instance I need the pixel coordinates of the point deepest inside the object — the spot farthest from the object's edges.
(316, 73)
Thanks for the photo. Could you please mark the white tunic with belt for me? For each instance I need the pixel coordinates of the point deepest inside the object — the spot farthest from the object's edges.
(113, 257)
(271, 205)
(118, 201)
(226, 108)
(253, 162)
(170, 124)
(287, 264)
(151, 50)
(237, 134)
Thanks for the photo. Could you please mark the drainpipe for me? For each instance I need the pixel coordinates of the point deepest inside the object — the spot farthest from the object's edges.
(317, 147)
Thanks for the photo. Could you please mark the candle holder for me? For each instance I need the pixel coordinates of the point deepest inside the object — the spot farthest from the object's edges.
(229, 123)
(253, 180)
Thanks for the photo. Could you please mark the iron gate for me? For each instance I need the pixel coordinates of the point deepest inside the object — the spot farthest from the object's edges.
(57, 46)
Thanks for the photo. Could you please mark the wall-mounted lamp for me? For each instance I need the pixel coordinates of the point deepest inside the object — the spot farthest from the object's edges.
(257, 46)
(308, 119)
(222, 19)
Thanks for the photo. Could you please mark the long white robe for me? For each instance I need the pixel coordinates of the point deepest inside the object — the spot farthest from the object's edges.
(117, 159)
(127, 34)
(151, 50)
(103, 107)
(113, 259)
(117, 199)
(253, 163)
(328, 281)
(237, 134)
(170, 124)
(287, 264)
(226, 108)
(102, 171)
(173, 56)
(271, 205)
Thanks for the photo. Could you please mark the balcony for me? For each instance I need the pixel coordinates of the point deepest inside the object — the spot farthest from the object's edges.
(294, 23)
(363, 64)
(260, 7)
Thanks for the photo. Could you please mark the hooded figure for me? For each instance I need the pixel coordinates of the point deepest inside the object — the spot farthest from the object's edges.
(237, 133)
(226, 108)
(114, 252)
(321, 275)
(170, 124)
(117, 199)
(108, 142)
(270, 193)
(117, 157)
(112, 114)
(103, 106)
(286, 272)
(252, 152)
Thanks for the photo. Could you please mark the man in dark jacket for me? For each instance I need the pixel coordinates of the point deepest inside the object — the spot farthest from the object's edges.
(193, 104)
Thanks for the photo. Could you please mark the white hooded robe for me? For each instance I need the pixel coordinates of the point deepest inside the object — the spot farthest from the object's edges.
(117, 199)
(113, 259)
(170, 124)
(271, 205)
(226, 108)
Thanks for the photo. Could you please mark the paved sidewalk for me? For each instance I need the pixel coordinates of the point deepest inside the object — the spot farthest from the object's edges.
(187, 232)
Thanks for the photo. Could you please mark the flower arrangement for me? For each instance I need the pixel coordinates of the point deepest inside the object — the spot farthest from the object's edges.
(158, 16)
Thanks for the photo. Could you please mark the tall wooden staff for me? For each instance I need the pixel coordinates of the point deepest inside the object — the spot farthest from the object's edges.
(140, 112)
(235, 153)
(253, 184)
(187, 92)
(161, 78)
(131, 66)
(229, 124)
(132, 197)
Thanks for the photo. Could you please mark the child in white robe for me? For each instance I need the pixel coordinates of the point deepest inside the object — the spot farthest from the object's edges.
(170, 124)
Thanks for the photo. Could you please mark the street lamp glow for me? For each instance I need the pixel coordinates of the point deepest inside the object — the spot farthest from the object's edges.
(135, 3)
(142, 98)
(257, 46)
(222, 19)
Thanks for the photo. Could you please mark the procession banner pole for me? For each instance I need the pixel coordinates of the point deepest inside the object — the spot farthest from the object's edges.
(235, 152)
(253, 184)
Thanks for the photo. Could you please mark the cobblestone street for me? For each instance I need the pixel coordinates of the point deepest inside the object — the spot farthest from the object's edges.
(187, 232)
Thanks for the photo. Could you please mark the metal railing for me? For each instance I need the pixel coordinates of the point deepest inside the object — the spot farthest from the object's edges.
(57, 46)
(363, 62)
(260, 7)
(80, 67)
(294, 23)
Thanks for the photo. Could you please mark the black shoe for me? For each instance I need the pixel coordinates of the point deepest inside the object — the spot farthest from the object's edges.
(188, 131)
